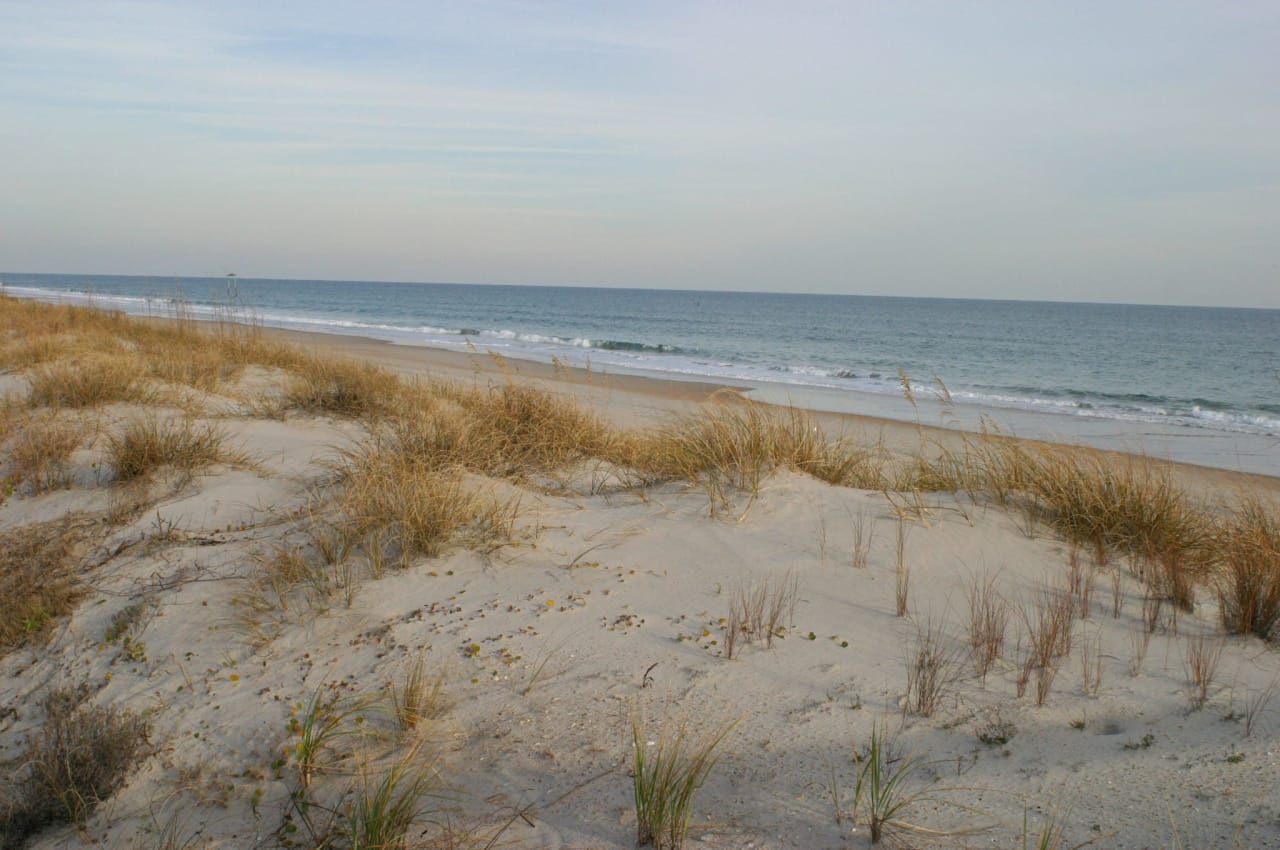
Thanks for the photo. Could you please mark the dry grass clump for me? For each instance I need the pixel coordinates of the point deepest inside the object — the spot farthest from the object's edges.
(1124, 506)
(82, 756)
(37, 579)
(151, 442)
(988, 622)
(1247, 580)
(342, 387)
(741, 443)
(414, 506)
(26, 352)
(1049, 629)
(1201, 659)
(39, 454)
(281, 577)
(94, 380)
(515, 430)
(932, 672)
(418, 696)
(756, 611)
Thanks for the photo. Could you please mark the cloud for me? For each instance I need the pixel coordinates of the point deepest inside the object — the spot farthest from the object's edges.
(930, 148)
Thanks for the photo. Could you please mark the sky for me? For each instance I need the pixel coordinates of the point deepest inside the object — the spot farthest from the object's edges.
(1081, 151)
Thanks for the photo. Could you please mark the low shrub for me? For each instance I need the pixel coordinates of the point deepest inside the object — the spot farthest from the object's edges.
(81, 757)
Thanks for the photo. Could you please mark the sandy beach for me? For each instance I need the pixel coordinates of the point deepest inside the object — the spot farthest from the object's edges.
(589, 602)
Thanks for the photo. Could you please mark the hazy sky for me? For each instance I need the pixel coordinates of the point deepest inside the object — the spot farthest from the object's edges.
(1110, 151)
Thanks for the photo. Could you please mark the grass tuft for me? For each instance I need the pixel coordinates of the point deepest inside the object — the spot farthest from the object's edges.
(741, 443)
(667, 773)
(382, 812)
(415, 507)
(1247, 580)
(418, 696)
(80, 758)
(89, 382)
(37, 579)
(341, 387)
(40, 454)
(148, 443)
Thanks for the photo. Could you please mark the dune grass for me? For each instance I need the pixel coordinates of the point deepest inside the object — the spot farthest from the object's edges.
(38, 582)
(412, 487)
(418, 696)
(666, 775)
(517, 431)
(413, 506)
(40, 452)
(1247, 574)
(383, 810)
(739, 443)
(82, 756)
(151, 442)
(95, 380)
(341, 387)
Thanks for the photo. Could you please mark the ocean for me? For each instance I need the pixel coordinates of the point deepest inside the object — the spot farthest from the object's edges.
(1195, 384)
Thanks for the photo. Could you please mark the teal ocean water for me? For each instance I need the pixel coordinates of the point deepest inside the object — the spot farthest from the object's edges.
(1197, 380)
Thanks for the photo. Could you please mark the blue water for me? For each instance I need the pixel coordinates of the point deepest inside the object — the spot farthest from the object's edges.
(1179, 370)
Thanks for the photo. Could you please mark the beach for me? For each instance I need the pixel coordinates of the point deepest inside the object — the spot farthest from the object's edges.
(506, 580)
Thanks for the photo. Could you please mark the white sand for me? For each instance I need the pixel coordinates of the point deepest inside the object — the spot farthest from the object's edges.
(544, 645)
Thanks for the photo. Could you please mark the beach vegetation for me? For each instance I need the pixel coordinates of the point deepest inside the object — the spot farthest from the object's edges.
(383, 810)
(319, 728)
(415, 507)
(1049, 625)
(884, 786)
(1247, 578)
(339, 386)
(902, 570)
(151, 442)
(38, 578)
(863, 528)
(734, 442)
(81, 756)
(40, 452)
(96, 379)
(666, 775)
(1203, 652)
(418, 696)
(988, 622)
(757, 610)
(933, 671)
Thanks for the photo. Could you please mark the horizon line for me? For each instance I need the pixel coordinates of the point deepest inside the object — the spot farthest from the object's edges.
(604, 287)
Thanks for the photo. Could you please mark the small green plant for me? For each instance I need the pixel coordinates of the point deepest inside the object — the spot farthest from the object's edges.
(882, 786)
(1144, 744)
(382, 811)
(1052, 834)
(997, 731)
(123, 621)
(667, 774)
(322, 725)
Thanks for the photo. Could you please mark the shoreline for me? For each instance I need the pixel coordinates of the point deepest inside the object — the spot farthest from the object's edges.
(1172, 434)
(631, 400)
